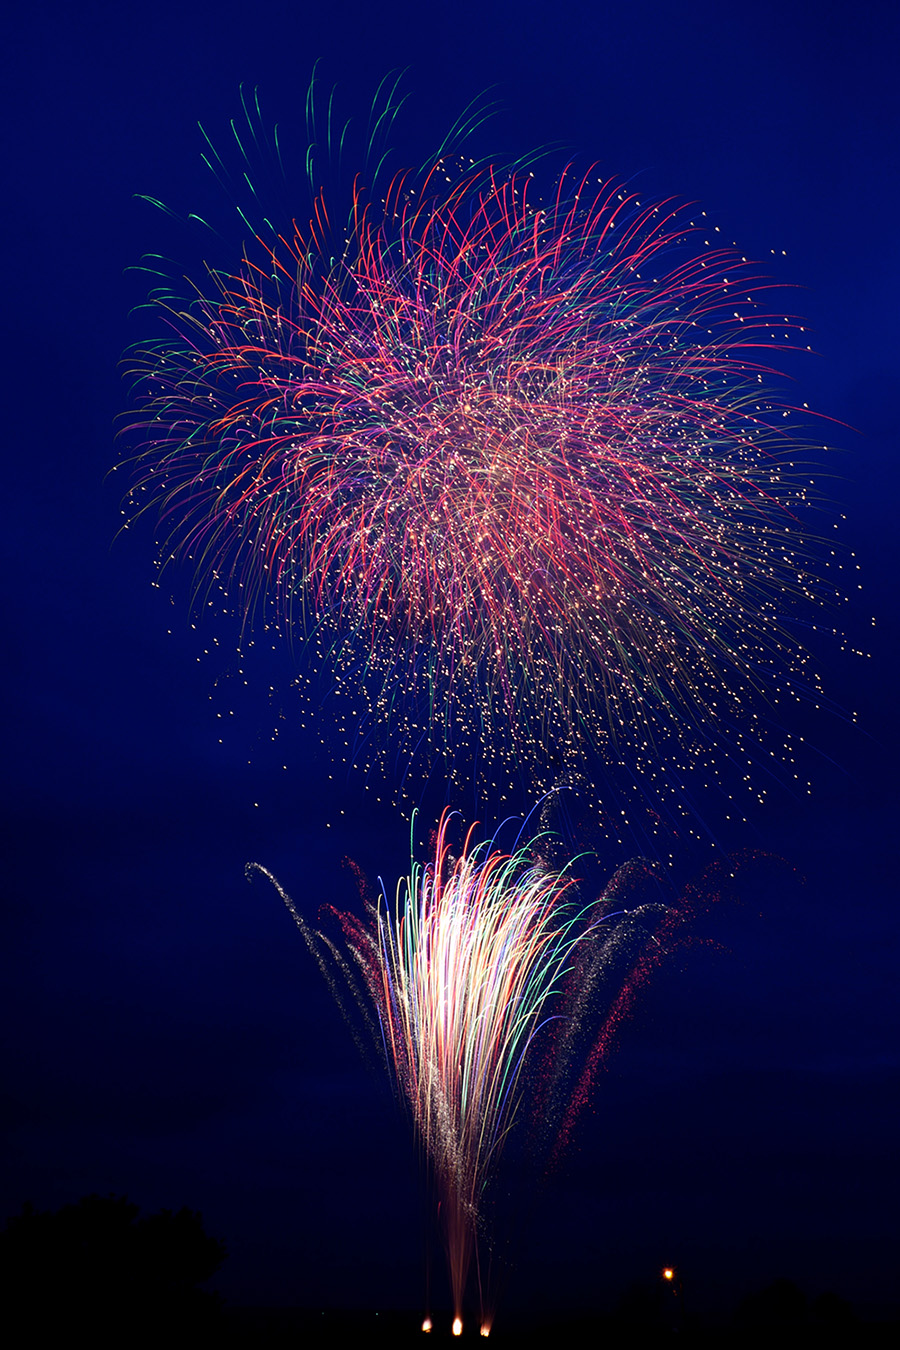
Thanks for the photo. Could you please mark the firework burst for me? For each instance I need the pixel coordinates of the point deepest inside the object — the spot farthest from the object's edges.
(505, 463)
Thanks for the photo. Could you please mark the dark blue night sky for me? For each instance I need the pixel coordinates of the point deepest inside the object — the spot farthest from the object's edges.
(166, 1034)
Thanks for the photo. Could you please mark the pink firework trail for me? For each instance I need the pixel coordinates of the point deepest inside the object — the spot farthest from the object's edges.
(507, 463)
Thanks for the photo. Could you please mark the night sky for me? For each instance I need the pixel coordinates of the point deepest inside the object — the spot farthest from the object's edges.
(166, 1033)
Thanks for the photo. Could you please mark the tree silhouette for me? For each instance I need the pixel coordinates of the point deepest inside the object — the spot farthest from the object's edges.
(779, 1307)
(95, 1266)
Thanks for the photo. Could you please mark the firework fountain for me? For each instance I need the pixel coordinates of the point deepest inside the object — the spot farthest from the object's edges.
(482, 983)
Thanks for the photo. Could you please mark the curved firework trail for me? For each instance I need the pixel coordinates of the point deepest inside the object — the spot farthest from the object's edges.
(483, 977)
(506, 462)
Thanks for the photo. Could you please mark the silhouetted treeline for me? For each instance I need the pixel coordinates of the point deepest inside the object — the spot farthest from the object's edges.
(96, 1268)
(648, 1317)
(660, 1313)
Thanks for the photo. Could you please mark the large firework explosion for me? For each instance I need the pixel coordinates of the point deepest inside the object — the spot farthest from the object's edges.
(505, 463)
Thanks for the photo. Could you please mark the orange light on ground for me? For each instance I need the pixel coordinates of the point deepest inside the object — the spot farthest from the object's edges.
(426, 1325)
(485, 1329)
(668, 1273)
(457, 1326)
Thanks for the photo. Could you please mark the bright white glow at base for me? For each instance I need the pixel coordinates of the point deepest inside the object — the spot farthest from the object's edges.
(485, 1329)
(426, 1325)
(457, 1326)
